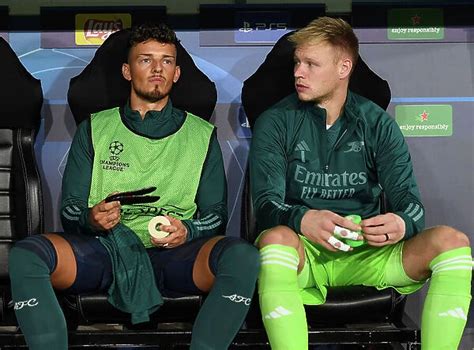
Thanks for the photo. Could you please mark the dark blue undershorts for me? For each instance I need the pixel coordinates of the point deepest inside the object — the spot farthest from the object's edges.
(173, 268)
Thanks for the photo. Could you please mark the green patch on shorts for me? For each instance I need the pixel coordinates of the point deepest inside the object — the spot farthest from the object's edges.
(380, 267)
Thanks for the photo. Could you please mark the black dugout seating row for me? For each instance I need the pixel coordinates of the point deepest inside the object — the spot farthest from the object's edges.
(352, 315)
(21, 206)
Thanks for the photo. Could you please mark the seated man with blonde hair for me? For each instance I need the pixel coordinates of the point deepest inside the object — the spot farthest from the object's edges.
(324, 153)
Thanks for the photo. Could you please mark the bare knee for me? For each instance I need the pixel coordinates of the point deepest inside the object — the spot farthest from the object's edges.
(444, 238)
(279, 235)
(65, 272)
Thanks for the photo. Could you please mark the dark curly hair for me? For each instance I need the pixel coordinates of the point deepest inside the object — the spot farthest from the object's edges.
(159, 32)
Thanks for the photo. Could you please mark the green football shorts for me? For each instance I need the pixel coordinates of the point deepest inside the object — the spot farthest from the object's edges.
(380, 267)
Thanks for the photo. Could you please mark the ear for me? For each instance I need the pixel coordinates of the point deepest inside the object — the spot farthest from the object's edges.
(177, 74)
(126, 71)
(345, 68)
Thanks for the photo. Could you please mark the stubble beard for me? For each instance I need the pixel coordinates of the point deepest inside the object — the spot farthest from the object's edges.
(152, 96)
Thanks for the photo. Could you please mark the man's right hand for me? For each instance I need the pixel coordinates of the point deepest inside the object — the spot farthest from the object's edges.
(318, 226)
(104, 216)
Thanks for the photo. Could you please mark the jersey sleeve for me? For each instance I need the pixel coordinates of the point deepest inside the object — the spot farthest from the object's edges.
(268, 169)
(211, 197)
(396, 176)
(76, 182)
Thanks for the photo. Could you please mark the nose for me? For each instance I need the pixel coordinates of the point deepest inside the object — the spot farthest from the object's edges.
(298, 71)
(157, 67)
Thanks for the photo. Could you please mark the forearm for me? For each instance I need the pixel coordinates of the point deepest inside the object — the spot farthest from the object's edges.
(414, 217)
(404, 200)
(398, 180)
(268, 171)
(76, 183)
(272, 213)
(75, 217)
(212, 222)
(211, 197)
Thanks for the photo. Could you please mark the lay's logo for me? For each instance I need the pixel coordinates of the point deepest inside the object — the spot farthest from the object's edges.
(95, 28)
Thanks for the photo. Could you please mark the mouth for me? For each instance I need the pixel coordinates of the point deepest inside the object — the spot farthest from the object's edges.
(156, 79)
(300, 87)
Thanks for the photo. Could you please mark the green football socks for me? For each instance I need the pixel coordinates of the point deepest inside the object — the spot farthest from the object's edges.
(228, 302)
(447, 302)
(280, 301)
(36, 307)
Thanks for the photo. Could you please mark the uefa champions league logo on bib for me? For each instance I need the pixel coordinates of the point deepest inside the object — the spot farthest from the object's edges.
(113, 163)
(115, 148)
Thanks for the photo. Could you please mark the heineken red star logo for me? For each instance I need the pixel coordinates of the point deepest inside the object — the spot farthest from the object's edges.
(416, 20)
(423, 117)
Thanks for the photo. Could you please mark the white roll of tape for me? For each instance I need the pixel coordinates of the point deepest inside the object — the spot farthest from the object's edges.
(154, 227)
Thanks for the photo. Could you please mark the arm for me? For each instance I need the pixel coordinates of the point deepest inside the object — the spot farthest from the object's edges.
(211, 197)
(268, 168)
(76, 182)
(75, 214)
(396, 176)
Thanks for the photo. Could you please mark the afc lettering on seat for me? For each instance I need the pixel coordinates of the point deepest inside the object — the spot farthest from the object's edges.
(30, 303)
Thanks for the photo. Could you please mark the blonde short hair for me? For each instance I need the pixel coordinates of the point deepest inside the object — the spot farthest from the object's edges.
(334, 31)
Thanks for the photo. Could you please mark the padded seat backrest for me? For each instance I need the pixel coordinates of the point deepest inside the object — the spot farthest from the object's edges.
(101, 85)
(274, 80)
(21, 206)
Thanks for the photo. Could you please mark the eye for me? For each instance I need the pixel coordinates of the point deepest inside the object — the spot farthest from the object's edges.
(312, 64)
(145, 60)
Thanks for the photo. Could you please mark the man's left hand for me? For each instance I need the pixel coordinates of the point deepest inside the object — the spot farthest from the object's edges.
(178, 233)
(383, 229)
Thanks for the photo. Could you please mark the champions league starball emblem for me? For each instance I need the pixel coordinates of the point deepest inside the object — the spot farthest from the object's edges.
(113, 163)
(115, 148)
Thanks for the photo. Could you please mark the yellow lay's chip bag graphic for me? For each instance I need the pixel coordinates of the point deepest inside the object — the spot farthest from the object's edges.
(95, 28)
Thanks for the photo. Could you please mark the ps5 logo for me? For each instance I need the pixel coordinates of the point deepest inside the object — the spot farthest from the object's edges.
(260, 26)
